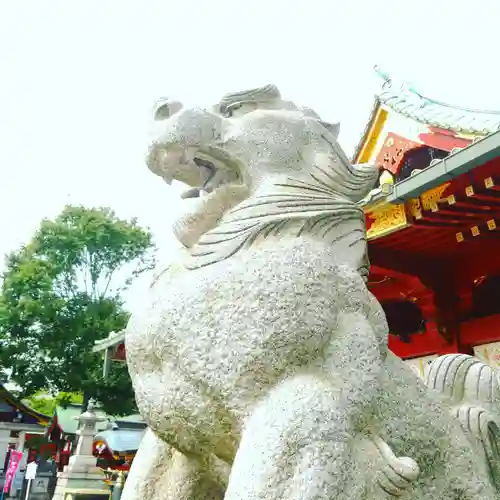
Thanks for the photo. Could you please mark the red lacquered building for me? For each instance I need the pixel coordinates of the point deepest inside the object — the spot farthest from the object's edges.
(434, 224)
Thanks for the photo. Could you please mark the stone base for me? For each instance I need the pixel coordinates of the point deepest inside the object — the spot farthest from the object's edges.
(72, 485)
(82, 464)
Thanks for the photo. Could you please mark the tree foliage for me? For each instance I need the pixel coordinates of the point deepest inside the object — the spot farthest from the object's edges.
(46, 403)
(60, 293)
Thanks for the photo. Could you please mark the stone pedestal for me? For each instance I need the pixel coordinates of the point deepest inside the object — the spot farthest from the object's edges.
(81, 477)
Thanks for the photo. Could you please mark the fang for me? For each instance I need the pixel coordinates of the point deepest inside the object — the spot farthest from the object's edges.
(191, 193)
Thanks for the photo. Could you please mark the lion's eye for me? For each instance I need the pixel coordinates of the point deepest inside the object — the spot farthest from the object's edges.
(231, 109)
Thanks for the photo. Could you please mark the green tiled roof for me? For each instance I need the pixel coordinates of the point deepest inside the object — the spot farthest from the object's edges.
(408, 102)
(131, 418)
(121, 440)
(67, 418)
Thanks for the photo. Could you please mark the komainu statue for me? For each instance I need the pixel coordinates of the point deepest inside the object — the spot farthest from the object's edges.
(261, 364)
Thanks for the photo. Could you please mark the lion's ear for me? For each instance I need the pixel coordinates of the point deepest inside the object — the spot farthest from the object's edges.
(165, 108)
(333, 128)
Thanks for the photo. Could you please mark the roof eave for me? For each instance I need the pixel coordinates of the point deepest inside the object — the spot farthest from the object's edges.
(459, 120)
(10, 398)
(111, 341)
(450, 167)
(366, 132)
(377, 197)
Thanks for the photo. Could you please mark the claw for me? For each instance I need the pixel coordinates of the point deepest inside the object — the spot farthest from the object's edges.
(397, 473)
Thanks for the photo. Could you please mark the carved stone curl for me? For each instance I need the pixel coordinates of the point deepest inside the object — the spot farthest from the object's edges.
(472, 390)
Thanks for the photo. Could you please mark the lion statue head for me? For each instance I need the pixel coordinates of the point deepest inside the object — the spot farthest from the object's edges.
(259, 166)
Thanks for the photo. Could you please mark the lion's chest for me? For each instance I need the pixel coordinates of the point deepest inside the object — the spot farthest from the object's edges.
(238, 326)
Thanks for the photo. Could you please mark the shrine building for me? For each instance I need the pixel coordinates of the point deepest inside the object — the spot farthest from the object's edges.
(433, 224)
(20, 429)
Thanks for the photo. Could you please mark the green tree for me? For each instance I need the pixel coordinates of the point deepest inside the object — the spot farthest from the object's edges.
(60, 293)
(46, 403)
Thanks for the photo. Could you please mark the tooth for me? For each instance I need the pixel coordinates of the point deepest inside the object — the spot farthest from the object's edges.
(191, 193)
(188, 155)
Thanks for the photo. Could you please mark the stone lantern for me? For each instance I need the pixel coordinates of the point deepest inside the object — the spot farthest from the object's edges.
(82, 476)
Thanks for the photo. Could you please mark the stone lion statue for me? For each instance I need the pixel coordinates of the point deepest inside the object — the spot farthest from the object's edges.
(261, 364)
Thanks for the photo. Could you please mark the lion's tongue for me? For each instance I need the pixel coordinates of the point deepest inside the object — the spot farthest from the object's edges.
(196, 193)
(203, 213)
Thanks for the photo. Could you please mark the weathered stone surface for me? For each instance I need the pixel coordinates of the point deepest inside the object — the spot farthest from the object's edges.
(472, 393)
(261, 364)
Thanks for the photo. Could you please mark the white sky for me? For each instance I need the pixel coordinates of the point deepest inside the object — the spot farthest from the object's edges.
(78, 79)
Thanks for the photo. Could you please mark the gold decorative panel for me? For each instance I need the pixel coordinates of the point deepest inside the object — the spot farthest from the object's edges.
(386, 219)
(415, 208)
(431, 198)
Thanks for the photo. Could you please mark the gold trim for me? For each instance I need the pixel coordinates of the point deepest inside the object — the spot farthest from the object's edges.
(460, 237)
(491, 224)
(372, 136)
(431, 198)
(386, 219)
(415, 208)
(468, 136)
(474, 230)
(488, 182)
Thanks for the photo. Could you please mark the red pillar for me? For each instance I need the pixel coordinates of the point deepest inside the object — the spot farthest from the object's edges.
(446, 301)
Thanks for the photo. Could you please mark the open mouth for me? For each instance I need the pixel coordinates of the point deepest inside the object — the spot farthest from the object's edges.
(202, 172)
(214, 179)
(209, 184)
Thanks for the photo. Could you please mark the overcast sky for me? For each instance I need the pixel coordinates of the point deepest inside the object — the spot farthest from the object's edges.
(78, 79)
